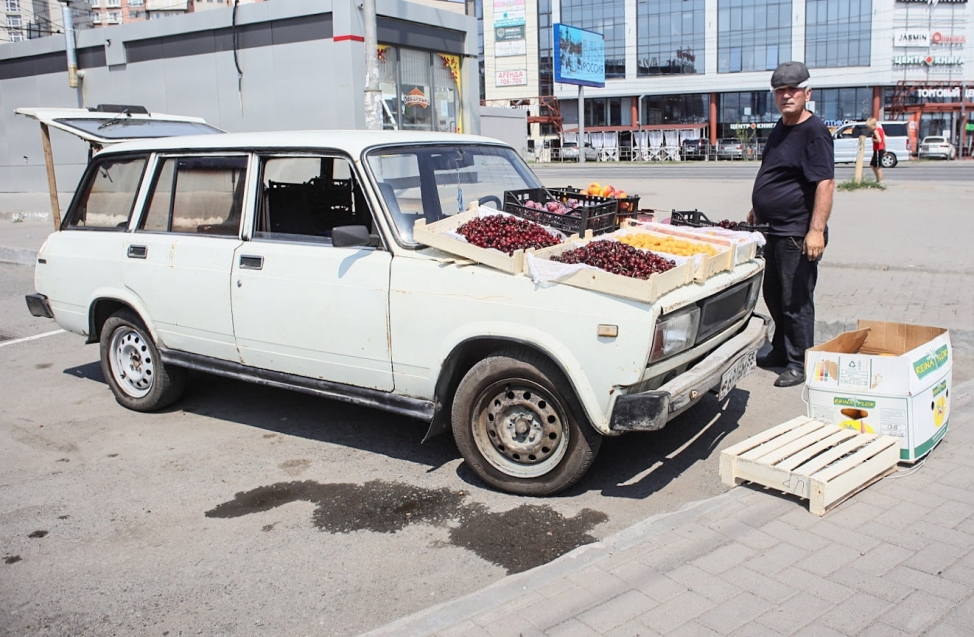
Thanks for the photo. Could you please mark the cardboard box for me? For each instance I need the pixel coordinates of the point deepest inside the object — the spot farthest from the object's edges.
(886, 378)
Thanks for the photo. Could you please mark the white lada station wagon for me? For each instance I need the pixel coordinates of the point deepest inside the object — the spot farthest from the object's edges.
(288, 259)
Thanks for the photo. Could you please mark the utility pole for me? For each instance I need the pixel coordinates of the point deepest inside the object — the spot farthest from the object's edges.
(69, 43)
(373, 94)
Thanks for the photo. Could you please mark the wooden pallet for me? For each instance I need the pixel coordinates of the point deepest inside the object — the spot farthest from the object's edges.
(822, 463)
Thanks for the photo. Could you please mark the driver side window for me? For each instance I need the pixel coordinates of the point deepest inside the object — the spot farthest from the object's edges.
(304, 198)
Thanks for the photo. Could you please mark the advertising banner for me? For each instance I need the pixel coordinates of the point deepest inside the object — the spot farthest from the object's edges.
(512, 77)
(579, 56)
(508, 13)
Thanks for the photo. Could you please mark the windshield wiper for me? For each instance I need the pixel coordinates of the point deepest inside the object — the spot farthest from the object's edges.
(115, 120)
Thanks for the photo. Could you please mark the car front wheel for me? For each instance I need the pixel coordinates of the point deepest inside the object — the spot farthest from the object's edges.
(520, 427)
(889, 160)
(132, 367)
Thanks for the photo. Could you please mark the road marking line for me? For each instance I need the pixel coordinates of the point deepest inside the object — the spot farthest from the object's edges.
(30, 338)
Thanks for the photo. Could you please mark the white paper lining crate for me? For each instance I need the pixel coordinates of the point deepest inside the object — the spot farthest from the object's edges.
(432, 235)
(820, 462)
(645, 290)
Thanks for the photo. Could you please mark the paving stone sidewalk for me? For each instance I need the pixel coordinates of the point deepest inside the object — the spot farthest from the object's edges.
(896, 559)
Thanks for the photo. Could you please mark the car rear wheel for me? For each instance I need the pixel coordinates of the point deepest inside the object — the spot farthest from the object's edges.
(131, 365)
(520, 427)
(889, 160)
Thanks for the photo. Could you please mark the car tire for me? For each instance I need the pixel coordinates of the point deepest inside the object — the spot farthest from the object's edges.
(520, 427)
(131, 364)
(889, 160)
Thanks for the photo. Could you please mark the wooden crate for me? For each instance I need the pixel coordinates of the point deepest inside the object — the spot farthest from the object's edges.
(742, 251)
(645, 290)
(433, 236)
(707, 265)
(822, 463)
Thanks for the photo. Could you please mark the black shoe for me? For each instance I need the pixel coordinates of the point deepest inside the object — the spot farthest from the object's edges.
(790, 377)
(771, 360)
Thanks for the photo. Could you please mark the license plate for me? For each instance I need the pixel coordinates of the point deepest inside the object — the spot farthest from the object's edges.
(741, 368)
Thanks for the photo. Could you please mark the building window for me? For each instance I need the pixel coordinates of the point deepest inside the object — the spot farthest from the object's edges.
(753, 36)
(838, 33)
(608, 111)
(94, 4)
(671, 37)
(746, 116)
(115, 17)
(136, 3)
(838, 105)
(14, 22)
(420, 90)
(675, 109)
(136, 15)
(113, 4)
(13, 5)
(607, 18)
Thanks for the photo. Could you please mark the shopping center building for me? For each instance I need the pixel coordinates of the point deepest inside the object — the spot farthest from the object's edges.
(701, 68)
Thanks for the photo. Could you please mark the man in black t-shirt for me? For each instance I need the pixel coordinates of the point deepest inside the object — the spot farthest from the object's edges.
(793, 195)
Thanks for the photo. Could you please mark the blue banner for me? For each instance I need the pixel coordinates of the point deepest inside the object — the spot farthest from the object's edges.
(579, 56)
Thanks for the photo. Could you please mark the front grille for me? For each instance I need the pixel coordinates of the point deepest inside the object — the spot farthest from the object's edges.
(721, 310)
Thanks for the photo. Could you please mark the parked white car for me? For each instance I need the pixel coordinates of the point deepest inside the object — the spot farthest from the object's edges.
(846, 143)
(287, 259)
(937, 147)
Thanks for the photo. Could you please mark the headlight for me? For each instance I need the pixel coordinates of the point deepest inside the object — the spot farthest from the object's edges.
(675, 333)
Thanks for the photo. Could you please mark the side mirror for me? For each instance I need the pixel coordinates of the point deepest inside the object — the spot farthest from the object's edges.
(350, 236)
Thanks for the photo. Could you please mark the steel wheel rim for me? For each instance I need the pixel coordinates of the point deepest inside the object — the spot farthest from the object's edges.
(131, 361)
(520, 428)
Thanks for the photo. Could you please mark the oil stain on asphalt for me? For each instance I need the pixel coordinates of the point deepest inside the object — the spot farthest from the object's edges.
(517, 540)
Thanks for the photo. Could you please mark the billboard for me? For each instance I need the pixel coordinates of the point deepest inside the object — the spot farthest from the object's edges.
(579, 56)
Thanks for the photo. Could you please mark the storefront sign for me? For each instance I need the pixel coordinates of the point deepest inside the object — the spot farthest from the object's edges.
(761, 125)
(911, 38)
(514, 77)
(416, 98)
(507, 48)
(508, 13)
(509, 33)
(942, 38)
(952, 92)
(929, 60)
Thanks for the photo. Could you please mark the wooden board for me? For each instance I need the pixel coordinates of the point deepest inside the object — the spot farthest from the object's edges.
(822, 463)
(708, 265)
(645, 290)
(433, 236)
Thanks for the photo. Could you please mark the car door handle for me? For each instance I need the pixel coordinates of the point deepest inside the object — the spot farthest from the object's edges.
(248, 262)
(137, 252)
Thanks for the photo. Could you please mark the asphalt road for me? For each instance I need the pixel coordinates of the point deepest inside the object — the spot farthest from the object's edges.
(245, 510)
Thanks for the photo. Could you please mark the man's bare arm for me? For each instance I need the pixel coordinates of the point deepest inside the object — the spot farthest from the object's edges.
(815, 239)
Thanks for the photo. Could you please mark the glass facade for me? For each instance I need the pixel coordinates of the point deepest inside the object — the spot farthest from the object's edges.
(836, 105)
(747, 116)
(670, 36)
(420, 90)
(838, 33)
(675, 109)
(546, 73)
(607, 18)
(609, 111)
(752, 35)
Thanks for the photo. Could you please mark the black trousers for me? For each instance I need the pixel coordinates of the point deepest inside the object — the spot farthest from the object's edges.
(789, 287)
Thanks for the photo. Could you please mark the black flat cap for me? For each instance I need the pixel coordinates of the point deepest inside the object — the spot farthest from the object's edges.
(790, 74)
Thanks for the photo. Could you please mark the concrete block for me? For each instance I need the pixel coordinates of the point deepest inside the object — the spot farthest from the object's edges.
(676, 612)
(704, 583)
(723, 558)
(734, 613)
(618, 610)
(854, 614)
(794, 614)
(918, 612)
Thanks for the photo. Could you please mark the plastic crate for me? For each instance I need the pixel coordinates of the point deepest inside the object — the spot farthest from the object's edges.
(597, 214)
(697, 219)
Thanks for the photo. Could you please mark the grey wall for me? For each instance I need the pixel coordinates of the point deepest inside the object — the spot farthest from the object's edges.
(295, 75)
(509, 125)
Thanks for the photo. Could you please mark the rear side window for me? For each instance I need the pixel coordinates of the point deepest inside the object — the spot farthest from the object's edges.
(895, 130)
(197, 195)
(108, 194)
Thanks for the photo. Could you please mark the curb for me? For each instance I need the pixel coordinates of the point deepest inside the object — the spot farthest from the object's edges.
(448, 614)
(451, 613)
(16, 256)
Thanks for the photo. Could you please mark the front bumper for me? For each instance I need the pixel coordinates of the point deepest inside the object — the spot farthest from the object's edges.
(650, 410)
(37, 305)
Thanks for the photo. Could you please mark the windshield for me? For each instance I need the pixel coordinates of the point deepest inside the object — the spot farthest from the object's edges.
(433, 182)
(124, 127)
